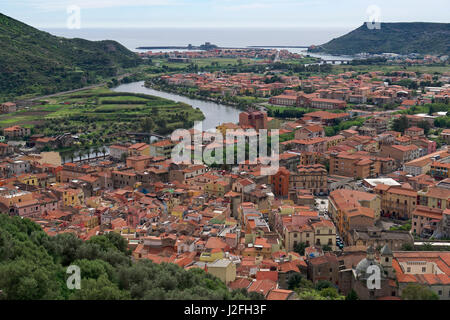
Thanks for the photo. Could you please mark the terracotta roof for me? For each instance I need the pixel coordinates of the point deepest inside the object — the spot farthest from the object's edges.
(279, 294)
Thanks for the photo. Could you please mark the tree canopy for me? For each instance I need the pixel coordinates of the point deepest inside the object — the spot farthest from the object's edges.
(33, 266)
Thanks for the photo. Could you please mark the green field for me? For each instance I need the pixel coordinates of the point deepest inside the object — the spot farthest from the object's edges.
(101, 116)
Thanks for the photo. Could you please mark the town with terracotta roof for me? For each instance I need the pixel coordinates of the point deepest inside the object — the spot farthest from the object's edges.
(338, 187)
(336, 205)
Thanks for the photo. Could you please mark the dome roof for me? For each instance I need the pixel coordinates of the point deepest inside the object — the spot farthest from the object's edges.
(386, 251)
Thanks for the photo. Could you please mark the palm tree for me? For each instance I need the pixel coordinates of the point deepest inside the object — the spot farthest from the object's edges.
(80, 154)
(87, 152)
(63, 157)
(72, 155)
(96, 151)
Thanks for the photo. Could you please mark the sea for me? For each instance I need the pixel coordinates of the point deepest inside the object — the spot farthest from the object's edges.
(133, 38)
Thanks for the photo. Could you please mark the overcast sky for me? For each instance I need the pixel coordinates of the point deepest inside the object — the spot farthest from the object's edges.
(223, 13)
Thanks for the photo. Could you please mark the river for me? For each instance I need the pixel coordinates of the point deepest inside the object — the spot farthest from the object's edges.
(215, 113)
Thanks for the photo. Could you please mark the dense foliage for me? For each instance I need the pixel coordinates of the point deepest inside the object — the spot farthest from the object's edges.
(306, 290)
(33, 266)
(401, 38)
(415, 291)
(36, 62)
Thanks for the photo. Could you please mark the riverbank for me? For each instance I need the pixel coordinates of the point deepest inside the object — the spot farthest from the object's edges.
(215, 113)
(241, 105)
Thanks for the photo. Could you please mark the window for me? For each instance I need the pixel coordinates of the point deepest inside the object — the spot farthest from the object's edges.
(408, 269)
(424, 269)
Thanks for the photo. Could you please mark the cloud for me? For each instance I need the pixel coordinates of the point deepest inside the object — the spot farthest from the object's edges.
(234, 5)
(54, 5)
(248, 6)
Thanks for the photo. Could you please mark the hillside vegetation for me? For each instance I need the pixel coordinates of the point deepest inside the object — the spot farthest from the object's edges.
(36, 62)
(401, 38)
(33, 267)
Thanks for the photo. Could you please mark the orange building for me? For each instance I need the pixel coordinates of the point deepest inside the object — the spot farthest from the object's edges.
(255, 119)
(280, 182)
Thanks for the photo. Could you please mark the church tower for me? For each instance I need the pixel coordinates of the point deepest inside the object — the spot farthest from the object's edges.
(386, 257)
(370, 253)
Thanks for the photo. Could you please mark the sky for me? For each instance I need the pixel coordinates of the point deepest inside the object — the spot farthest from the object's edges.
(224, 13)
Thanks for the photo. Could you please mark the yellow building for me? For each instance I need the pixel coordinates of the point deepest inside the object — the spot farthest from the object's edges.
(318, 233)
(177, 211)
(211, 255)
(217, 188)
(334, 140)
(29, 179)
(286, 210)
(73, 197)
(324, 233)
(223, 269)
(139, 149)
(434, 197)
(260, 249)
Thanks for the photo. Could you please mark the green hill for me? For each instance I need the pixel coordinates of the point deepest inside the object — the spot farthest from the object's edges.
(36, 62)
(33, 267)
(401, 38)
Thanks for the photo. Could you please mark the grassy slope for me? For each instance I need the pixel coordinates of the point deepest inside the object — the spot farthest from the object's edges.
(33, 61)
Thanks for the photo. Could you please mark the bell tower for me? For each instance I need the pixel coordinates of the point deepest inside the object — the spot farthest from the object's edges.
(386, 257)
